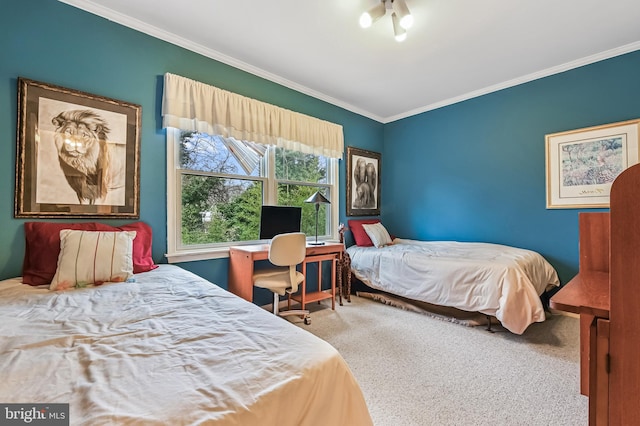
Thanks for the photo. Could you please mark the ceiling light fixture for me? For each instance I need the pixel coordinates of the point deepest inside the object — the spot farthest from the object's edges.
(399, 31)
(372, 15)
(401, 9)
(400, 16)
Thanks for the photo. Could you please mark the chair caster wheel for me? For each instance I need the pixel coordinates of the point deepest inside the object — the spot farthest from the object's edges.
(307, 320)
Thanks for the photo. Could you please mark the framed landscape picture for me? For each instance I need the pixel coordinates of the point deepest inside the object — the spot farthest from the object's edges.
(363, 182)
(78, 154)
(582, 164)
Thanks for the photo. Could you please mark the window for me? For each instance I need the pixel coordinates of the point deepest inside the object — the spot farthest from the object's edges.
(217, 185)
(224, 164)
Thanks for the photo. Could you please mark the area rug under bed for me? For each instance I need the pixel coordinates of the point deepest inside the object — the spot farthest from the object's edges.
(444, 313)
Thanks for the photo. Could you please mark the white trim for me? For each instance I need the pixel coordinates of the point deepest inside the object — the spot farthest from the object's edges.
(173, 192)
(127, 21)
(334, 181)
(96, 9)
(631, 47)
(193, 255)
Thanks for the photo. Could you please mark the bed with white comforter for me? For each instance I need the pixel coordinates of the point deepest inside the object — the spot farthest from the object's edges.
(494, 279)
(168, 349)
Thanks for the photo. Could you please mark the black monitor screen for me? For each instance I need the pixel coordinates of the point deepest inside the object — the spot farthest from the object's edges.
(276, 220)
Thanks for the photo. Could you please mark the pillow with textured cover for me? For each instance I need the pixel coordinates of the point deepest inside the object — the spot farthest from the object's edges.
(93, 258)
(42, 246)
(359, 234)
(378, 234)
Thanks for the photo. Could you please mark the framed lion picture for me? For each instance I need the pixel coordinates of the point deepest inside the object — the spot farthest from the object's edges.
(78, 154)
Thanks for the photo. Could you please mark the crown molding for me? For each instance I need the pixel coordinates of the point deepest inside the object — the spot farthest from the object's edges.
(627, 48)
(127, 21)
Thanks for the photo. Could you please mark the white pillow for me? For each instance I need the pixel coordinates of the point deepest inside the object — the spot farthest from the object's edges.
(378, 234)
(93, 257)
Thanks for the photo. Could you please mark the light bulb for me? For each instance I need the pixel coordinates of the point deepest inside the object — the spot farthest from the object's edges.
(406, 22)
(372, 15)
(365, 20)
(401, 9)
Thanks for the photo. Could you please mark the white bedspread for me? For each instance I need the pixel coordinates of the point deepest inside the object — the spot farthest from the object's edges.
(169, 349)
(490, 278)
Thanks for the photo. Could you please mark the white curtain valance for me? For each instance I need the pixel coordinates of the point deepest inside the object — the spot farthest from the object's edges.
(191, 105)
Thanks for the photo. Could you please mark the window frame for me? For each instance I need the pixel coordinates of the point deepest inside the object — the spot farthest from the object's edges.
(176, 252)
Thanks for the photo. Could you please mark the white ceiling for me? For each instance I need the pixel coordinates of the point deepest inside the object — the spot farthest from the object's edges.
(457, 49)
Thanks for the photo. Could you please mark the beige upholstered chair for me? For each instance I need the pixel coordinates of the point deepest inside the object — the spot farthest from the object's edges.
(286, 251)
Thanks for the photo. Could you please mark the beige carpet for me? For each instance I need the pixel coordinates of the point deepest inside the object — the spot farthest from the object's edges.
(415, 370)
(443, 313)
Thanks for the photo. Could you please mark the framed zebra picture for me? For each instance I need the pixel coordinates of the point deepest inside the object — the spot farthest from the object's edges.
(582, 164)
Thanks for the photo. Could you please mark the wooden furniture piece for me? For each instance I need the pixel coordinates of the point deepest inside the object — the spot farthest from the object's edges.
(242, 259)
(606, 294)
(587, 294)
(303, 296)
(624, 316)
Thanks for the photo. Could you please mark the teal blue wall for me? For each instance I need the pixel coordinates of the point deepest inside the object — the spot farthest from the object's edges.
(475, 171)
(55, 43)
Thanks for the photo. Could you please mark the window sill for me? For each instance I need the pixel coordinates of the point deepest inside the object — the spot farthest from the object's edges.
(221, 252)
(194, 255)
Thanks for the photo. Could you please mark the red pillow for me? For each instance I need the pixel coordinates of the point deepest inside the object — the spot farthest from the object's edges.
(358, 232)
(142, 260)
(43, 247)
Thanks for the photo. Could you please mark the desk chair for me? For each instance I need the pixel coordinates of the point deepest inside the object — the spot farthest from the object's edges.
(286, 251)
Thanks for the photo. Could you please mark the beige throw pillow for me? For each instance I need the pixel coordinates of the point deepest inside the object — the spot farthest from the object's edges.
(93, 258)
(378, 234)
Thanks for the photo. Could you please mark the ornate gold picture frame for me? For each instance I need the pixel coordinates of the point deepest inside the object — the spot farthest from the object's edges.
(78, 154)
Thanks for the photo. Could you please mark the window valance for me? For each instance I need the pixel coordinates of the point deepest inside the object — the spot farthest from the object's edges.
(192, 105)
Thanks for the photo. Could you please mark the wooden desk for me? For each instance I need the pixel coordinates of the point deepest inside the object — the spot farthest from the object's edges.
(610, 244)
(242, 259)
(305, 297)
(587, 294)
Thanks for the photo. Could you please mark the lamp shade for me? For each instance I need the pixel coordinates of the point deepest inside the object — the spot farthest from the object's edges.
(317, 198)
(399, 32)
(372, 15)
(404, 16)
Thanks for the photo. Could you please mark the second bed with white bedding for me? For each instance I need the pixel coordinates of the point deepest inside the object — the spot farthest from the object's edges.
(493, 279)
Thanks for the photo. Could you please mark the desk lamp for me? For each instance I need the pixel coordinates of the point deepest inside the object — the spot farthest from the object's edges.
(317, 199)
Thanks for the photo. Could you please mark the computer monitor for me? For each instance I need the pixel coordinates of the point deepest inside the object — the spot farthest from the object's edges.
(276, 220)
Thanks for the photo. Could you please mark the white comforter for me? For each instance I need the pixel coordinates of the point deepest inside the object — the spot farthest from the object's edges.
(490, 278)
(168, 349)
